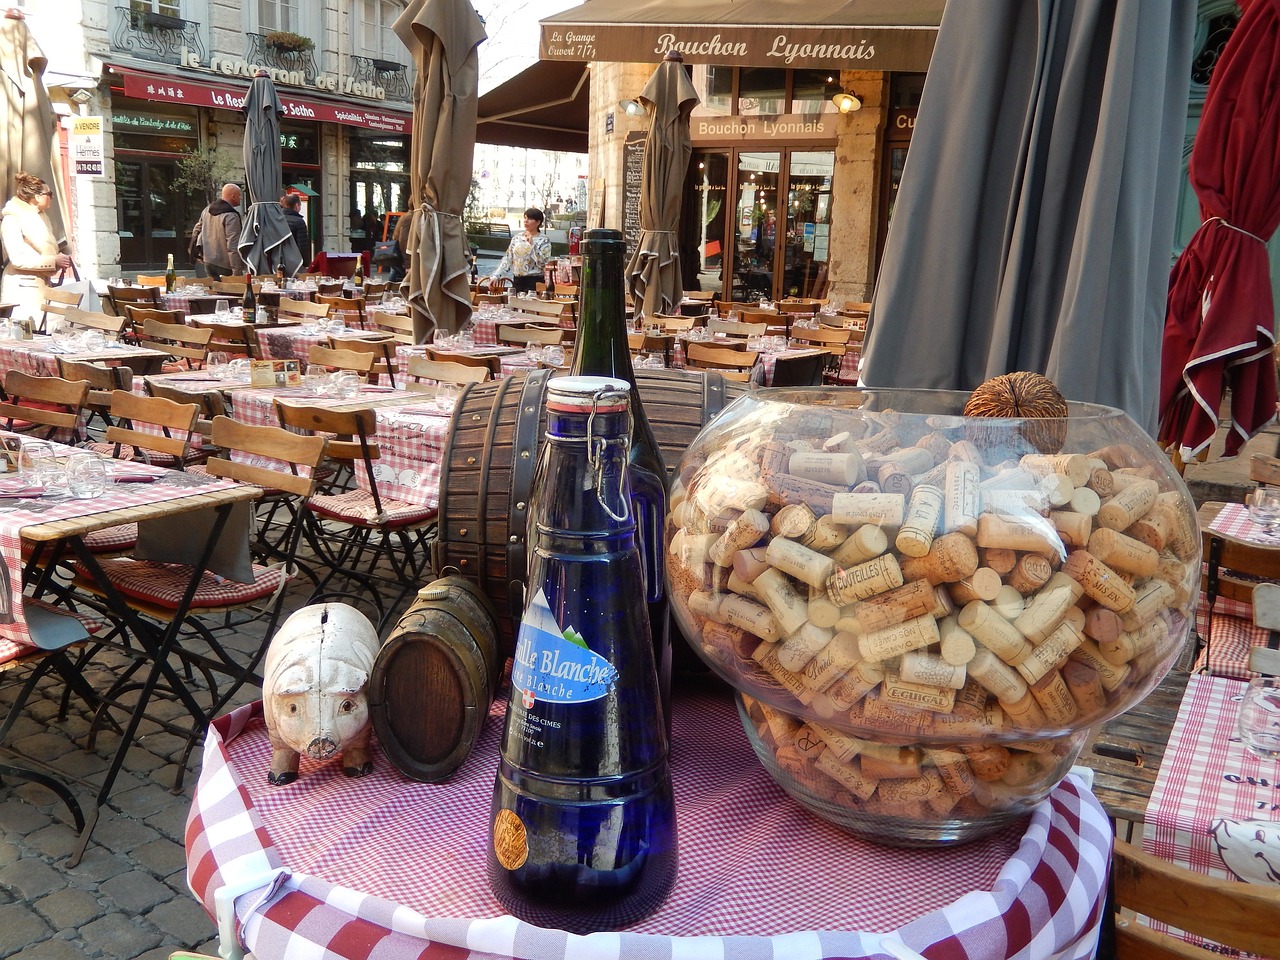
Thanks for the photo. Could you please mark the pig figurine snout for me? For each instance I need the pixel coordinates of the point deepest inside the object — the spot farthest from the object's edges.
(314, 680)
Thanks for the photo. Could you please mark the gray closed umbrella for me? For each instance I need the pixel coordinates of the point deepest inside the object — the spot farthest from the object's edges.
(29, 123)
(443, 36)
(1034, 223)
(265, 238)
(654, 271)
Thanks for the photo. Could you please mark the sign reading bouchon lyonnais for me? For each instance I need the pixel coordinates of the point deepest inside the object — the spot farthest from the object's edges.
(86, 146)
(849, 48)
(791, 126)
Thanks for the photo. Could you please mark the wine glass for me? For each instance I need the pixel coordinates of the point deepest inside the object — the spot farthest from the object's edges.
(1264, 510)
(216, 362)
(222, 311)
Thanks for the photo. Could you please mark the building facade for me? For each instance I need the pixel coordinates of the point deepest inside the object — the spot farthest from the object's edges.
(168, 77)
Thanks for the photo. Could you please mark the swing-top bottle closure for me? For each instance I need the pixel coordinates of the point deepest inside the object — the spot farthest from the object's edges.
(593, 396)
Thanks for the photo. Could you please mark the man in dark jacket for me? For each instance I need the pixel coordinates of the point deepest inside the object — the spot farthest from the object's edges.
(215, 236)
(292, 204)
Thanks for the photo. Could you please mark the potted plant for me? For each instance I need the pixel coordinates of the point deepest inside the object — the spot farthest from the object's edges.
(287, 42)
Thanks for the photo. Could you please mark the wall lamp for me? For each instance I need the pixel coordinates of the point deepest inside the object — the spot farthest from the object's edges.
(633, 108)
(847, 102)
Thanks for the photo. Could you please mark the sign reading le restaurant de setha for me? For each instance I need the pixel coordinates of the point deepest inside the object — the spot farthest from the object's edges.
(851, 48)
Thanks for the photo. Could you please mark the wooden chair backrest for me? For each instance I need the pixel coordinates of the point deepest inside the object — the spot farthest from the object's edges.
(238, 338)
(804, 307)
(302, 454)
(479, 297)
(566, 290)
(49, 401)
(857, 306)
(719, 358)
(705, 295)
(88, 320)
(1245, 916)
(520, 336)
(383, 351)
(672, 323)
(169, 335)
(491, 363)
(495, 285)
(822, 336)
(759, 316)
(117, 297)
(102, 379)
(557, 309)
(399, 325)
(446, 371)
(177, 421)
(354, 430)
(151, 280)
(723, 307)
(799, 370)
(231, 288)
(55, 305)
(339, 304)
(733, 328)
(211, 402)
(341, 359)
(301, 310)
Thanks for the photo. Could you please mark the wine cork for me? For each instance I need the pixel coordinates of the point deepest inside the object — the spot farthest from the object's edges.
(953, 767)
(1025, 713)
(1111, 675)
(837, 659)
(1057, 489)
(705, 603)
(1015, 503)
(886, 762)
(950, 558)
(773, 459)
(921, 522)
(1073, 466)
(893, 478)
(1029, 573)
(1102, 624)
(841, 442)
(750, 563)
(1027, 769)
(1085, 501)
(864, 580)
(883, 509)
(899, 638)
(1051, 693)
(971, 699)
(782, 728)
(918, 667)
(825, 535)
(848, 775)
(987, 762)
(1133, 643)
(877, 444)
(911, 600)
(863, 544)
(766, 655)
(1153, 597)
(851, 688)
(842, 469)
(1009, 603)
(1099, 581)
(1085, 686)
(823, 612)
(1183, 538)
(994, 632)
(1000, 559)
(996, 676)
(792, 521)
(867, 486)
(960, 508)
(786, 489)
(1045, 610)
(983, 584)
(789, 608)
(956, 645)
(1123, 553)
(799, 647)
(731, 493)
(1128, 505)
(845, 746)
(694, 549)
(1074, 528)
(1033, 534)
(800, 562)
(726, 643)
(1151, 529)
(1051, 654)
(735, 584)
(746, 531)
(753, 617)
(916, 696)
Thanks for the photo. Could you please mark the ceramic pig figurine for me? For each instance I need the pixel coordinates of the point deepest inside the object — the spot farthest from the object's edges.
(313, 691)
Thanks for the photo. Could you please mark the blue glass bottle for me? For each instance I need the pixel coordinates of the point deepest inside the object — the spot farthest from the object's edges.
(583, 833)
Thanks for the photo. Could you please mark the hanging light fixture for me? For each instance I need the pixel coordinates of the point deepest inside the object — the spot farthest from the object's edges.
(847, 102)
(633, 108)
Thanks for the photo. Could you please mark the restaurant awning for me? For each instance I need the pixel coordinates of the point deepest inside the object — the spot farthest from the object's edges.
(545, 107)
(834, 34)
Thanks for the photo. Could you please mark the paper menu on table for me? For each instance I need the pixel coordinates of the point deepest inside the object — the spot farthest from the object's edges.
(275, 373)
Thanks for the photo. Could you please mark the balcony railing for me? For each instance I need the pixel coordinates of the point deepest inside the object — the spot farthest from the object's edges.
(155, 36)
(391, 76)
(294, 61)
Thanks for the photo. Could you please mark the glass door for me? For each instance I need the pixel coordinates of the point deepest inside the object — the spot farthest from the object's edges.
(808, 205)
(154, 217)
(703, 219)
(755, 225)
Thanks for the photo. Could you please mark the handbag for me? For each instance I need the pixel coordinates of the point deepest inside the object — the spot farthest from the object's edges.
(387, 252)
(62, 275)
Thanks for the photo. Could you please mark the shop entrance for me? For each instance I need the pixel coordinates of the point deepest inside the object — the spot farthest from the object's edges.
(756, 222)
(154, 216)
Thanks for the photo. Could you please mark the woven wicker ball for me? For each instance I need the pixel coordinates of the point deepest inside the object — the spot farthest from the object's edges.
(1023, 395)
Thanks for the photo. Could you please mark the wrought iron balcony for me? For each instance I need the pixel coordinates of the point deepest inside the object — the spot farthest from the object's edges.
(391, 76)
(155, 36)
(270, 55)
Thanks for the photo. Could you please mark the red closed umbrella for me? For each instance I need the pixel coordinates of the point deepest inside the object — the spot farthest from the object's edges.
(1219, 320)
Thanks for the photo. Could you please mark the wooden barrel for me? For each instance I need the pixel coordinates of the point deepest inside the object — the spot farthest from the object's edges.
(434, 679)
(487, 471)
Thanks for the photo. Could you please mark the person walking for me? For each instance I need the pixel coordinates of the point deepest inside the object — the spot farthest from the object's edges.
(215, 236)
(292, 204)
(30, 247)
(527, 255)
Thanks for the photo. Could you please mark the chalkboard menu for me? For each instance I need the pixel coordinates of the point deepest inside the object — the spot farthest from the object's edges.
(632, 168)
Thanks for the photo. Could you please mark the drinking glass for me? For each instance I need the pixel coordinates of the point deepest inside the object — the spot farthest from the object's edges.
(336, 327)
(346, 386)
(446, 396)
(86, 476)
(41, 460)
(316, 379)
(1264, 510)
(1259, 719)
(216, 363)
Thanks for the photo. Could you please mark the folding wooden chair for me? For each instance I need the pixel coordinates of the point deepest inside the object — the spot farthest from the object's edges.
(523, 336)
(1227, 625)
(154, 429)
(54, 308)
(117, 296)
(229, 288)
(301, 311)
(490, 362)
(383, 351)
(346, 360)
(187, 346)
(421, 372)
(398, 325)
(47, 407)
(729, 363)
(240, 339)
(801, 370)
(103, 382)
(151, 280)
(135, 318)
(349, 309)
(77, 319)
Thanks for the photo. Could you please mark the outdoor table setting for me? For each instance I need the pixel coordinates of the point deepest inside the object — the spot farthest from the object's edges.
(39, 355)
(294, 341)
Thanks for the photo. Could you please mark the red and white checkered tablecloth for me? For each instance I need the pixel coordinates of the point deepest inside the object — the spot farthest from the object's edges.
(1231, 632)
(330, 867)
(39, 357)
(1212, 796)
(17, 514)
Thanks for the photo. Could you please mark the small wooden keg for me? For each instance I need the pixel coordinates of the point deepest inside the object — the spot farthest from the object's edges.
(434, 679)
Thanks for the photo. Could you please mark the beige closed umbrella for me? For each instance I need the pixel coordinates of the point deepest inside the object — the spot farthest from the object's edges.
(29, 123)
(443, 36)
(654, 271)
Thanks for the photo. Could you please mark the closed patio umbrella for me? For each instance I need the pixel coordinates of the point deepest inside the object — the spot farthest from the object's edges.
(265, 238)
(29, 123)
(443, 36)
(1219, 330)
(1034, 222)
(654, 271)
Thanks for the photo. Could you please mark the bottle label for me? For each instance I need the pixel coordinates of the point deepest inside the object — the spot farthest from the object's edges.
(554, 664)
(510, 840)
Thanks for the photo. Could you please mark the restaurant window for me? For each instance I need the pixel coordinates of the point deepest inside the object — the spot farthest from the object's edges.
(812, 90)
(300, 166)
(374, 36)
(715, 89)
(379, 184)
(291, 15)
(169, 8)
(762, 91)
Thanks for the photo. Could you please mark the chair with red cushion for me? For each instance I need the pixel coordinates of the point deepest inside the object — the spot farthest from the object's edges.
(47, 407)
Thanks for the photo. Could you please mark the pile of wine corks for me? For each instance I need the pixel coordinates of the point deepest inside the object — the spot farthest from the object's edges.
(925, 619)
